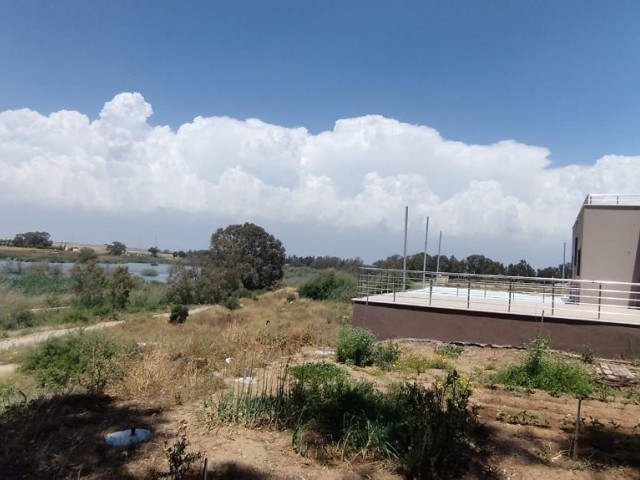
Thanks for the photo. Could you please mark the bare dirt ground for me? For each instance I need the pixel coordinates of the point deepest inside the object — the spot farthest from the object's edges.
(527, 434)
(535, 446)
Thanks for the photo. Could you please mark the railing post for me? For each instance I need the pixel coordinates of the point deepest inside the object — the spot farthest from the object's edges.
(599, 299)
(553, 297)
(510, 292)
(430, 288)
(468, 292)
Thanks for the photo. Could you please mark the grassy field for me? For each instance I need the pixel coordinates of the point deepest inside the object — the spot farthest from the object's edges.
(223, 385)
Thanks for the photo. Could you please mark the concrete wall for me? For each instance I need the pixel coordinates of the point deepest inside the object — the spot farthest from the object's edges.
(606, 242)
(404, 321)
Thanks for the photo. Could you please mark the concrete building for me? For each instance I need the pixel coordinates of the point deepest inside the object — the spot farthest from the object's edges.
(606, 250)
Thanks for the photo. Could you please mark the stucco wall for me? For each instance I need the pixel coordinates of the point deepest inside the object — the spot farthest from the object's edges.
(403, 321)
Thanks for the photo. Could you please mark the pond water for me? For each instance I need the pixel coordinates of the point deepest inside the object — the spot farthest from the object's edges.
(143, 270)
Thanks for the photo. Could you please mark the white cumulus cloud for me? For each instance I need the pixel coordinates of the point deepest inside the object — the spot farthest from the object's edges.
(358, 175)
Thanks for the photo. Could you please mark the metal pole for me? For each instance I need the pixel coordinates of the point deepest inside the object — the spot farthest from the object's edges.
(564, 258)
(430, 289)
(510, 292)
(438, 261)
(599, 299)
(404, 263)
(424, 261)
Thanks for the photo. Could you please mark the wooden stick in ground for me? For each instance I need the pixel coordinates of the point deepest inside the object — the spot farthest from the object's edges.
(574, 444)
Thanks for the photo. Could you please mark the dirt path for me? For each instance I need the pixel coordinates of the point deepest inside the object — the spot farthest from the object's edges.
(42, 336)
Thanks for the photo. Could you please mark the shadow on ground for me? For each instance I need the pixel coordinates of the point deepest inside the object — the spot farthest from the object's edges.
(63, 437)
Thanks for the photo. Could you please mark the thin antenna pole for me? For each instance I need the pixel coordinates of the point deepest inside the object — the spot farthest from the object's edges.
(424, 261)
(404, 263)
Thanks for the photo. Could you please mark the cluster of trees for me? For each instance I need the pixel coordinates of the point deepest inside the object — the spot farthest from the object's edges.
(116, 248)
(478, 264)
(241, 258)
(92, 286)
(32, 240)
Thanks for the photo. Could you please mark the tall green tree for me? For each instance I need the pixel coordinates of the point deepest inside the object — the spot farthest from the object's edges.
(89, 283)
(256, 256)
(120, 286)
(116, 248)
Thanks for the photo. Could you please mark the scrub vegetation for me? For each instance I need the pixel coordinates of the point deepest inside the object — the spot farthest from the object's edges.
(240, 350)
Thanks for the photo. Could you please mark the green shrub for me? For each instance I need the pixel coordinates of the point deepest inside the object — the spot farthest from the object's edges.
(385, 354)
(588, 354)
(540, 370)
(232, 303)
(427, 429)
(75, 315)
(330, 285)
(419, 364)
(179, 314)
(318, 373)
(63, 364)
(355, 346)
(449, 350)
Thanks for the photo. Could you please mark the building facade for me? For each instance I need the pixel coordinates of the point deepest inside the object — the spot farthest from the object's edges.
(606, 250)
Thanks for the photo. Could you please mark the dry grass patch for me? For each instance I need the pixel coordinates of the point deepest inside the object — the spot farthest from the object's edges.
(176, 363)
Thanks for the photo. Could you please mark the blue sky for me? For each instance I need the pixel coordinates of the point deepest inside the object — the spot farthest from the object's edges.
(563, 76)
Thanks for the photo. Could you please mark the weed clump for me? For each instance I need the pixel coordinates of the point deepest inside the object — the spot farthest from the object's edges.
(449, 350)
(179, 314)
(86, 361)
(426, 429)
(540, 370)
(355, 346)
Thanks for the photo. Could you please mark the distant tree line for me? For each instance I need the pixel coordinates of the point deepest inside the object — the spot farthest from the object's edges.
(324, 262)
(478, 264)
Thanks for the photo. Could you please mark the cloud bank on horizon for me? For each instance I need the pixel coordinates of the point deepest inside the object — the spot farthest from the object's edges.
(359, 175)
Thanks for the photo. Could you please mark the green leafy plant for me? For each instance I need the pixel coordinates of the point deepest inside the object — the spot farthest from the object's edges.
(427, 429)
(588, 354)
(232, 302)
(84, 361)
(318, 373)
(385, 354)
(355, 346)
(179, 314)
(540, 370)
(449, 350)
(522, 417)
(180, 461)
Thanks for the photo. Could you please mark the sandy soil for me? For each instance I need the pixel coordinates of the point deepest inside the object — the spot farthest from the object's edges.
(538, 450)
(534, 446)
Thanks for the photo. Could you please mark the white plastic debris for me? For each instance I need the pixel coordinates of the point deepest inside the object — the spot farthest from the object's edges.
(227, 360)
(246, 380)
(124, 438)
(325, 353)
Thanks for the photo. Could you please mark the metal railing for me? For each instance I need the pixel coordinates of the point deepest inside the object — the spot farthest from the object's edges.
(568, 298)
(612, 199)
